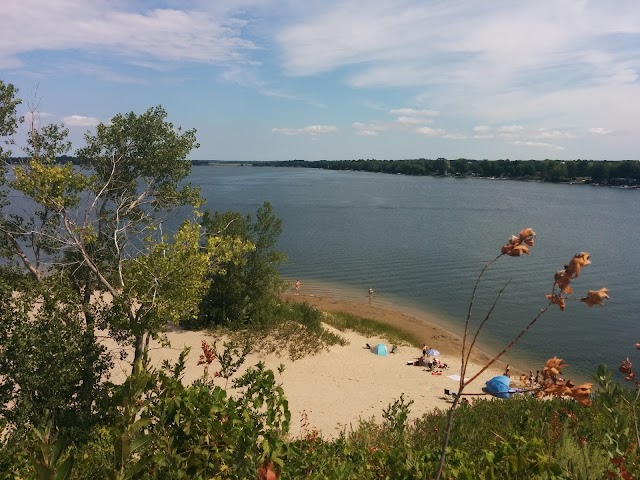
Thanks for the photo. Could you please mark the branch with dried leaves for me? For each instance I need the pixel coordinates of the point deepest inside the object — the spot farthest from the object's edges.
(552, 384)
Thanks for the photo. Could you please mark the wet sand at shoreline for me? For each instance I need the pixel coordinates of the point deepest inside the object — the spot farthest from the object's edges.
(422, 325)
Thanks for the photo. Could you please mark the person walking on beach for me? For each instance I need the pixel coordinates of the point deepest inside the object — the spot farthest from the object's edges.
(297, 287)
(507, 371)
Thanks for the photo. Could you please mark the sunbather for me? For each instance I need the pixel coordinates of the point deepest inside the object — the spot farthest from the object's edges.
(419, 362)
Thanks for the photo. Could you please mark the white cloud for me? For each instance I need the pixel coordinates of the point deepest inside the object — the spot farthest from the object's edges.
(413, 120)
(80, 121)
(454, 136)
(312, 130)
(247, 76)
(545, 133)
(164, 34)
(600, 131)
(510, 130)
(480, 62)
(521, 134)
(369, 129)
(482, 132)
(367, 133)
(406, 119)
(550, 146)
(412, 112)
(431, 132)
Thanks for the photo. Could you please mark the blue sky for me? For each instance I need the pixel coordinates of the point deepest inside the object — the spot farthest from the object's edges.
(278, 80)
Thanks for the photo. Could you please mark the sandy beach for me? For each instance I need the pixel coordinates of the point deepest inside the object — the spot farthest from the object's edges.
(336, 388)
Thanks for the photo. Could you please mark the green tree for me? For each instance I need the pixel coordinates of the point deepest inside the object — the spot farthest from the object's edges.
(8, 115)
(556, 172)
(246, 292)
(600, 172)
(45, 352)
(88, 223)
(41, 325)
(87, 254)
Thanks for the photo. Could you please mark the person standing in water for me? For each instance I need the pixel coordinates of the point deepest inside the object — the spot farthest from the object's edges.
(370, 294)
(297, 287)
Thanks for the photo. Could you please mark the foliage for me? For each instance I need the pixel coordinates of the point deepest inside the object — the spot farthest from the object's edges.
(499, 439)
(194, 430)
(621, 438)
(169, 430)
(366, 326)
(44, 353)
(247, 292)
(299, 332)
(47, 460)
(9, 120)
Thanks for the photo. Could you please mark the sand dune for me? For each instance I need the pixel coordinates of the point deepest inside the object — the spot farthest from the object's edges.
(337, 387)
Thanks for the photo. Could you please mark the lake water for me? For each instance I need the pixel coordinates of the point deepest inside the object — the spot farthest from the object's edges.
(420, 243)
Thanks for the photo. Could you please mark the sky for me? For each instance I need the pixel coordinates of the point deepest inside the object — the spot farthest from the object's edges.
(345, 79)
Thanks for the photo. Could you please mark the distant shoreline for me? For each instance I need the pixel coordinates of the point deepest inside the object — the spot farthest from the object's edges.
(611, 173)
(608, 173)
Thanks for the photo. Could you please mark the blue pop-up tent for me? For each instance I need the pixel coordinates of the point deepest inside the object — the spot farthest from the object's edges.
(380, 349)
(499, 387)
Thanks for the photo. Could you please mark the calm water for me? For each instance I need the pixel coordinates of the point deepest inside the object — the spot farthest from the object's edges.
(420, 242)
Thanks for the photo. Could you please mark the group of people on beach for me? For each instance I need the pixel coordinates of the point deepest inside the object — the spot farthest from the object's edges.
(433, 364)
(531, 380)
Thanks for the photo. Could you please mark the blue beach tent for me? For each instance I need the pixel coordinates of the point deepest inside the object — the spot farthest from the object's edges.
(499, 387)
(380, 349)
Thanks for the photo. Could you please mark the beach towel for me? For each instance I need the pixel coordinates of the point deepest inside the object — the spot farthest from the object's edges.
(456, 378)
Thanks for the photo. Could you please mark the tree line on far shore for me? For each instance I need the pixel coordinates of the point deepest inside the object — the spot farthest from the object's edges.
(612, 173)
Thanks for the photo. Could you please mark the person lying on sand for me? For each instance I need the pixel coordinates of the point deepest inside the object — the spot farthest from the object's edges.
(419, 362)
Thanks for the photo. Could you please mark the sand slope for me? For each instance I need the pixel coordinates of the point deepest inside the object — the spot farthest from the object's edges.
(339, 386)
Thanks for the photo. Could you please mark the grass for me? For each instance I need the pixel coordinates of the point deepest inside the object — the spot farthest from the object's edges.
(369, 327)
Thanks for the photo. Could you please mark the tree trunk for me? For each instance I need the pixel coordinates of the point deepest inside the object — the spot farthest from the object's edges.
(138, 355)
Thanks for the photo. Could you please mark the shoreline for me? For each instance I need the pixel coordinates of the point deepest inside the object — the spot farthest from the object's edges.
(433, 328)
(423, 325)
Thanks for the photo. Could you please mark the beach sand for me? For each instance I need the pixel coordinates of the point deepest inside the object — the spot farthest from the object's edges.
(337, 387)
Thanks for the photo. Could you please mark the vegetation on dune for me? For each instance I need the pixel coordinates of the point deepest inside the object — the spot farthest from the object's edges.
(246, 293)
(369, 327)
(88, 255)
